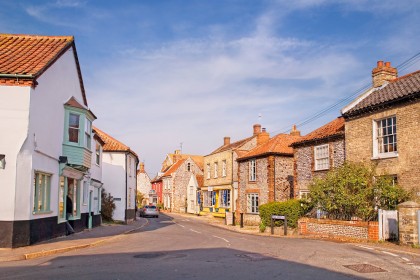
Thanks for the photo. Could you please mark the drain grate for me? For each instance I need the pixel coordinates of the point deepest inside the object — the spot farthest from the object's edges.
(149, 255)
(364, 268)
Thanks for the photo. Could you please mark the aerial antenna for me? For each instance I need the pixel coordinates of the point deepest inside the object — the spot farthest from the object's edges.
(180, 145)
(259, 117)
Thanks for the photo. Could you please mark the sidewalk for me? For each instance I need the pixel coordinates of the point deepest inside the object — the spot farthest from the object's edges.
(84, 239)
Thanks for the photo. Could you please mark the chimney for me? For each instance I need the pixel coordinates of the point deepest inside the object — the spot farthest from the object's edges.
(226, 141)
(177, 155)
(383, 73)
(257, 129)
(263, 137)
(141, 167)
(294, 131)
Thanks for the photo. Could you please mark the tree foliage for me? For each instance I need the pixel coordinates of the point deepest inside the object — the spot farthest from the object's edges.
(107, 206)
(140, 199)
(290, 208)
(355, 190)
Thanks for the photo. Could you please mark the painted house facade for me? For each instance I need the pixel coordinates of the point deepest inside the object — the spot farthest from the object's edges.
(193, 193)
(144, 186)
(382, 126)
(119, 167)
(317, 153)
(156, 193)
(220, 187)
(265, 174)
(176, 182)
(49, 154)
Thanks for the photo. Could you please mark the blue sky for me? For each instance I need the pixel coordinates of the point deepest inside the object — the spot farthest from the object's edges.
(158, 73)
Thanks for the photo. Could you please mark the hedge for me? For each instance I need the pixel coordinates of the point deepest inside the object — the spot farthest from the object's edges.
(292, 209)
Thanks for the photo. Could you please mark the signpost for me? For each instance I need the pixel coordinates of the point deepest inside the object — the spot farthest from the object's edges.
(276, 217)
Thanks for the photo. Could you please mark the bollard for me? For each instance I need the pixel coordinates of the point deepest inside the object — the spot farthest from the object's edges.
(242, 220)
(272, 226)
(233, 217)
(285, 226)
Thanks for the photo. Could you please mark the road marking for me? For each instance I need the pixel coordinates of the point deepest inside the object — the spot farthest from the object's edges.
(391, 254)
(365, 247)
(405, 259)
(194, 231)
(227, 241)
(185, 220)
(180, 225)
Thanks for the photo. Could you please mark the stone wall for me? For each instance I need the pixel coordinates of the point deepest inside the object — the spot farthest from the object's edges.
(408, 223)
(339, 229)
(359, 144)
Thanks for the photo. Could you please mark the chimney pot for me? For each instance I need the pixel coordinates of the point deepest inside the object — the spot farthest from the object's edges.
(226, 141)
(388, 64)
(257, 129)
(383, 73)
(380, 63)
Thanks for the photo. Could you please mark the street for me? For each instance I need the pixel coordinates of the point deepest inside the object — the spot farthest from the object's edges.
(181, 247)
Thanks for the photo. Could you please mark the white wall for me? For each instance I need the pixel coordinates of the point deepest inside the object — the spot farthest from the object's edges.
(14, 122)
(113, 177)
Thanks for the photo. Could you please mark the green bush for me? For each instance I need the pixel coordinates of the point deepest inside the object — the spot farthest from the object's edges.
(107, 206)
(292, 209)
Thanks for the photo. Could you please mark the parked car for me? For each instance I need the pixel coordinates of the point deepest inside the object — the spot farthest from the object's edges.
(149, 211)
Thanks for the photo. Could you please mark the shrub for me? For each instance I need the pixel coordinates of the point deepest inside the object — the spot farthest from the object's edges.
(354, 190)
(107, 206)
(292, 209)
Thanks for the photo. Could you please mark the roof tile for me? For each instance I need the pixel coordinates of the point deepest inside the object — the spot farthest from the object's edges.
(333, 128)
(112, 144)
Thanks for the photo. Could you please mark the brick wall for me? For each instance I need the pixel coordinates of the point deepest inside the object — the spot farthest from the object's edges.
(305, 165)
(359, 144)
(339, 229)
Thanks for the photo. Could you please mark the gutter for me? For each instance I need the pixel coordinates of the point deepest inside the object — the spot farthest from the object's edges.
(23, 76)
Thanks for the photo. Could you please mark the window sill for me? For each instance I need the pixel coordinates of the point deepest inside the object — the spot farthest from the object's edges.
(325, 169)
(41, 213)
(385, 156)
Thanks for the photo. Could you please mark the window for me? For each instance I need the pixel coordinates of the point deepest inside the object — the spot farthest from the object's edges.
(74, 121)
(322, 159)
(252, 170)
(252, 203)
(189, 167)
(88, 133)
(85, 192)
(2, 161)
(209, 198)
(42, 187)
(303, 194)
(208, 171)
(98, 153)
(386, 136)
(224, 168)
(215, 169)
(224, 198)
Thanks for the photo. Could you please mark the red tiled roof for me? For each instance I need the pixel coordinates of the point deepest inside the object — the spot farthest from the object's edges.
(402, 88)
(28, 56)
(232, 146)
(200, 180)
(174, 167)
(279, 144)
(331, 129)
(112, 144)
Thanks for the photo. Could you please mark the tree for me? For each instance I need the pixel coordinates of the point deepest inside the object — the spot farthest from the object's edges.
(140, 199)
(107, 206)
(355, 190)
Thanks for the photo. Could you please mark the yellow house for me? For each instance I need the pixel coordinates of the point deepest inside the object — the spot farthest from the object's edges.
(220, 187)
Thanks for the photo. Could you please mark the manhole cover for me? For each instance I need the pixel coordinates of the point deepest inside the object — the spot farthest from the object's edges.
(364, 268)
(253, 257)
(149, 255)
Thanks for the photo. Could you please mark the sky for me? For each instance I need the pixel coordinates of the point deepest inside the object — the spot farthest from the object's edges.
(161, 75)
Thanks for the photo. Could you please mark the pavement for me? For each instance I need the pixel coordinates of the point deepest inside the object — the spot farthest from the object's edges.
(108, 232)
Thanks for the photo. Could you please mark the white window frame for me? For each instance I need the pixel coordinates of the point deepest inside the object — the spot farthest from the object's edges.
(252, 170)
(216, 167)
(224, 168)
(42, 192)
(380, 149)
(88, 133)
(74, 128)
(322, 157)
(252, 203)
(303, 194)
(208, 171)
(98, 151)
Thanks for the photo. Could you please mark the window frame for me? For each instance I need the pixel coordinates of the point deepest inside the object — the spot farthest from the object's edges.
(252, 203)
(208, 171)
(222, 202)
(377, 136)
(43, 191)
(69, 127)
(88, 134)
(215, 170)
(252, 170)
(98, 152)
(322, 161)
(224, 168)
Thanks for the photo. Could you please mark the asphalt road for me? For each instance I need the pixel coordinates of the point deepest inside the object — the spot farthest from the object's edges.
(176, 247)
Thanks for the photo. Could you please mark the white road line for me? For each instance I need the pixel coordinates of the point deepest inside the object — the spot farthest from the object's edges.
(365, 247)
(391, 254)
(180, 225)
(405, 259)
(194, 231)
(185, 220)
(227, 241)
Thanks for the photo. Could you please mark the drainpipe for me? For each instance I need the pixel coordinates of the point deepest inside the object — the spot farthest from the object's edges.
(126, 185)
(274, 177)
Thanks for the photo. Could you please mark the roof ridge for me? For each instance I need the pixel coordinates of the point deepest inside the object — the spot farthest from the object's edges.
(68, 37)
(404, 77)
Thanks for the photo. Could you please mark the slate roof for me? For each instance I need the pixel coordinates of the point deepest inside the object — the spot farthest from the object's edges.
(112, 144)
(279, 145)
(332, 129)
(401, 89)
(232, 146)
(28, 56)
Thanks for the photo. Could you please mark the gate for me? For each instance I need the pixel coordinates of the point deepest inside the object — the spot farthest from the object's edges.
(388, 224)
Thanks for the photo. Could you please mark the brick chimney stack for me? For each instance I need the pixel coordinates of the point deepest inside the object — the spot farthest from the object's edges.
(383, 73)
(226, 141)
(141, 167)
(263, 137)
(177, 155)
(294, 131)
(257, 129)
